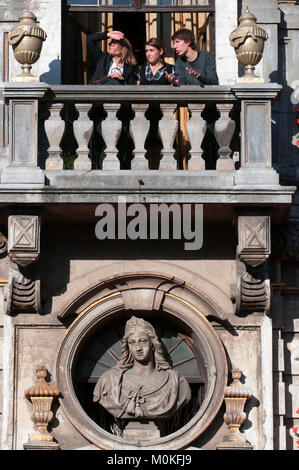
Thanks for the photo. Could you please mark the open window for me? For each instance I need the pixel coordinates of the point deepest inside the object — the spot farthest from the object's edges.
(138, 19)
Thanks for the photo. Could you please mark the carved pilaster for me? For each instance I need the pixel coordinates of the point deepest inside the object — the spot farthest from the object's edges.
(235, 397)
(41, 396)
(22, 293)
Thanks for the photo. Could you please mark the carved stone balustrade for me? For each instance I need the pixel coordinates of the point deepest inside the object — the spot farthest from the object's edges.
(139, 129)
(82, 130)
(211, 130)
(168, 127)
(196, 129)
(111, 129)
(224, 130)
(54, 127)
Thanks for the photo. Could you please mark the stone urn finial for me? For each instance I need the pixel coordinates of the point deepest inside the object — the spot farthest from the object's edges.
(41, 395)
(26, 39)
(248, 41)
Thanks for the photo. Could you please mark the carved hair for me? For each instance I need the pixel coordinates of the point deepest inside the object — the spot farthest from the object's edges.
(126, 361)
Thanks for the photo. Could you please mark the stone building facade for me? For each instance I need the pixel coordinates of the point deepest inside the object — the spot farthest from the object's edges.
(226, 313)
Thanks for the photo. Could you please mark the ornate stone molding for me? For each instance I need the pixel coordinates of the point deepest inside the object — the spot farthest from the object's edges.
(235, 397)
(24, 238)
(23, 289)
(254, 246)
(22, 293)
(253, 290)
(3, 244)
(41, 395)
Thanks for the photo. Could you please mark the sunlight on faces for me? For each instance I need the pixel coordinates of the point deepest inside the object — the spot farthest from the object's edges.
(180, 46)
(140, 347)
(115, 49)
(153, 55)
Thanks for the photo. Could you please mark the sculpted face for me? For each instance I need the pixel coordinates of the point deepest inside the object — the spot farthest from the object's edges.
(140, 346)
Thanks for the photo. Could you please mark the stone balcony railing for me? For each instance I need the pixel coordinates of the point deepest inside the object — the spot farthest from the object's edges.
(44, 120)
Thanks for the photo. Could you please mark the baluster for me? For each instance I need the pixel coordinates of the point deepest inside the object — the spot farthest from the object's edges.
(54, 128)
(111, 130)
(82, 130)
(168, 127)
(224, 130)
(196, 129)
(139, 128)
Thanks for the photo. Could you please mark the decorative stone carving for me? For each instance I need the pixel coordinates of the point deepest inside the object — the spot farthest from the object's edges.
(224, 130)
(196, 129)
(253, 292)
(26, 40)
(41, 396)
(254, 246)
(235, 397)
(54, 128)
(168, 127)
(24, 238)
(111, 130)
(23, 289)
(83, 129)
(22, 293)
(139, 128)
(142, 385)
(248, 41)
(3, 244)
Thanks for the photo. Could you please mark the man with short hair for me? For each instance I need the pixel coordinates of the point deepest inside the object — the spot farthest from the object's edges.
(193, 67)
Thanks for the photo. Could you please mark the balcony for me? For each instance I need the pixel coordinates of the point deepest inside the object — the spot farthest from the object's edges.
(228, 161)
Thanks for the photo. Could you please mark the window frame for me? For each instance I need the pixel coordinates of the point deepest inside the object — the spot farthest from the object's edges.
(138, 7)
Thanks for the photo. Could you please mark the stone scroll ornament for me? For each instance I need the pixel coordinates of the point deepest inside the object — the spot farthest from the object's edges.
(41, 395)
(26, 39)
(23, 289)
(142, 386)
(248, 41)
(254, 248)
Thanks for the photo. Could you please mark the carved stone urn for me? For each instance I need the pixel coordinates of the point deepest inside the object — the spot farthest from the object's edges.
(26, 40)
(248, 41)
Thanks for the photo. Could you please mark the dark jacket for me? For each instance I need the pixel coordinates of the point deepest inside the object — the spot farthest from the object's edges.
(141, 75)
(204, 64)
(103, 61)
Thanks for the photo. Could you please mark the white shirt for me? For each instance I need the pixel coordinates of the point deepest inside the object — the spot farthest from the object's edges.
(116, 68)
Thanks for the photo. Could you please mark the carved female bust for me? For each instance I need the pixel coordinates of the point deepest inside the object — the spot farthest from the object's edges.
(142, 385)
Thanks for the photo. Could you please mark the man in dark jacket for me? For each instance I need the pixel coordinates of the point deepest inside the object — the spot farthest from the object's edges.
(193, 67)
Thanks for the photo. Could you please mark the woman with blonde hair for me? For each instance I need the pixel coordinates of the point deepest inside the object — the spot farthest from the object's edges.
(116, 67)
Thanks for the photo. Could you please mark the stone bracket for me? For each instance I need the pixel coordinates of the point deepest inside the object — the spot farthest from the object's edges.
(23, 288)
(254, 247)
